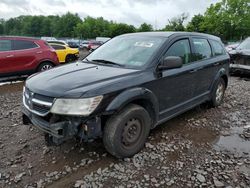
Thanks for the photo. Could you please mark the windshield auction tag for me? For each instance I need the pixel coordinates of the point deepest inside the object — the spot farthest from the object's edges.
(144, 44)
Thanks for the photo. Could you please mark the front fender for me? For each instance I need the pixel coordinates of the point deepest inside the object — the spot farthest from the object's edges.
(131, 95)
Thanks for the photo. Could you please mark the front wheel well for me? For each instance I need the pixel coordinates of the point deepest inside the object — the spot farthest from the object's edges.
(147, 105)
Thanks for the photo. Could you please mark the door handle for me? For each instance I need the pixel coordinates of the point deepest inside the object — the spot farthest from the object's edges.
(39, 52)
(216, 64)
(8, 56)
(195, 70)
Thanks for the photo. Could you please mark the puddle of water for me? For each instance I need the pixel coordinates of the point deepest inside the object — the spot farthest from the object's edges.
(233, 142)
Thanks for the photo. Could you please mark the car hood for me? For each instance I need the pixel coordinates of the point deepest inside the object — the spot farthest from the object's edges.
(74, 80)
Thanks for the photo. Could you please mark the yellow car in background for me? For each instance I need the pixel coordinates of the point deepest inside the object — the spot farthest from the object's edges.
(64, 53)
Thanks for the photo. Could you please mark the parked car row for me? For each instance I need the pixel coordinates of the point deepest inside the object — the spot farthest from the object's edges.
(25, 56)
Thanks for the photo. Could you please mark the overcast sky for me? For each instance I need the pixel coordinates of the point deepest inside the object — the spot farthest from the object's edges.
(135, 12)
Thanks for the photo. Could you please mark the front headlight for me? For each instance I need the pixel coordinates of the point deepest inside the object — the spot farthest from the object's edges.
(82, 107)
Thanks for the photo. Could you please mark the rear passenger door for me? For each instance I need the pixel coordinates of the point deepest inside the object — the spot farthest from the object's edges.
(25, 53)
(207, 65)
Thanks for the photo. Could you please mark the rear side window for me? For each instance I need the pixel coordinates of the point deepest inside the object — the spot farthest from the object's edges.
(217, 48)
(58, 47)
(202, 49)
(23, 45)
(56, 42)
(181, 49)
(5, 45)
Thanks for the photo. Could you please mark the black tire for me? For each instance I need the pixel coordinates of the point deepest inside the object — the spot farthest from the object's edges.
(70, 58)
(125, 133)
(218, 93)
(45, 66)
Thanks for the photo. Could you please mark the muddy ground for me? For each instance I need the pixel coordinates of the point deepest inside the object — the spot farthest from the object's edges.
(205, 147)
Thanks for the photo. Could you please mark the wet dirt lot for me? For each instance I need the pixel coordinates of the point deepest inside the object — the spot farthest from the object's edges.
(205, 147)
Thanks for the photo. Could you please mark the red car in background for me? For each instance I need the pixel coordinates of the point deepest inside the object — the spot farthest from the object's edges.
(25, 56)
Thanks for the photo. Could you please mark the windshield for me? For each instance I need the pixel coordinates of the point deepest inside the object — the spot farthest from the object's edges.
(127, 51)
(245, 45)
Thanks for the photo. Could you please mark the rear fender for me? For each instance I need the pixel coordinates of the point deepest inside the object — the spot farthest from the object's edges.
(221, 73)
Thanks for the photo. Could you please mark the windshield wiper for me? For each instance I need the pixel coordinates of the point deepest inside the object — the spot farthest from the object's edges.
(86, 59)
(107, 62)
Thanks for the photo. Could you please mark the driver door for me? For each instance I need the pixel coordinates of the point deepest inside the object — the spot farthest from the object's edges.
(176, 86)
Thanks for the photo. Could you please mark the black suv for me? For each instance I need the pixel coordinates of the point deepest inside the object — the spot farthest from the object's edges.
(126, 87)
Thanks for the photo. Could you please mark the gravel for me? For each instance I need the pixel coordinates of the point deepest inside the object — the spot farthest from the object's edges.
(205, 147)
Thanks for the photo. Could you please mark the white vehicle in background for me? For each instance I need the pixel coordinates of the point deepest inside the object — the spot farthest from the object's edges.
(48, 38)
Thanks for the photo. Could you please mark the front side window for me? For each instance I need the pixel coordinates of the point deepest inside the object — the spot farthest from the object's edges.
(128, 51)
(218, 49)
(23, 45)
(181, 49)
(5, 45)
(202, 49)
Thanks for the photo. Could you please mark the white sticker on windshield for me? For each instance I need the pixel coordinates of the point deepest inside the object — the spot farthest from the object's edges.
(144, 44)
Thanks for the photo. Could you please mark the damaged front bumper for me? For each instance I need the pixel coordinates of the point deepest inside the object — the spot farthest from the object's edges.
(239, 68)
(60, 129)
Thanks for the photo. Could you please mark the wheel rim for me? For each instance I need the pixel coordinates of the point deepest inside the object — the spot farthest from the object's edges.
(46, 67)
(131, 132)
(219, 93)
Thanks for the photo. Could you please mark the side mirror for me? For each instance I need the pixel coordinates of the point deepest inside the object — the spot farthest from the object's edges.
(171, 62)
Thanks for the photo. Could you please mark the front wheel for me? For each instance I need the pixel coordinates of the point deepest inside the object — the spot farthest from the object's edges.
(125, 133)
(218, 93)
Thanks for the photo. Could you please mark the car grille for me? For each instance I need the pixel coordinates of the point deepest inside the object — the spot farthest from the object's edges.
(36, 103)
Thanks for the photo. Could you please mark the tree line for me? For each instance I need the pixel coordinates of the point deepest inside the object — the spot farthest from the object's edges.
(228, 19)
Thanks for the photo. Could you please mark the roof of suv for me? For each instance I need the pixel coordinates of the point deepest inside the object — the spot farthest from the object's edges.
(168, 34)
(19, 38)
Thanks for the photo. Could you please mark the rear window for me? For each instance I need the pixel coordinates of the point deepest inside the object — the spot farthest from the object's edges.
(5, 45)
(217, 48)
(23, 45)
(202, 49)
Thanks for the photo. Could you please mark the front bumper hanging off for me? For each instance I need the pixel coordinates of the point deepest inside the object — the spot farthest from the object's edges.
(63, 130)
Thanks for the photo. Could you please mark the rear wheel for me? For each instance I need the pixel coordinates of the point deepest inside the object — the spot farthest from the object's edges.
(218, 93)
(45, 66)
(126, 132)
(70, 58)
